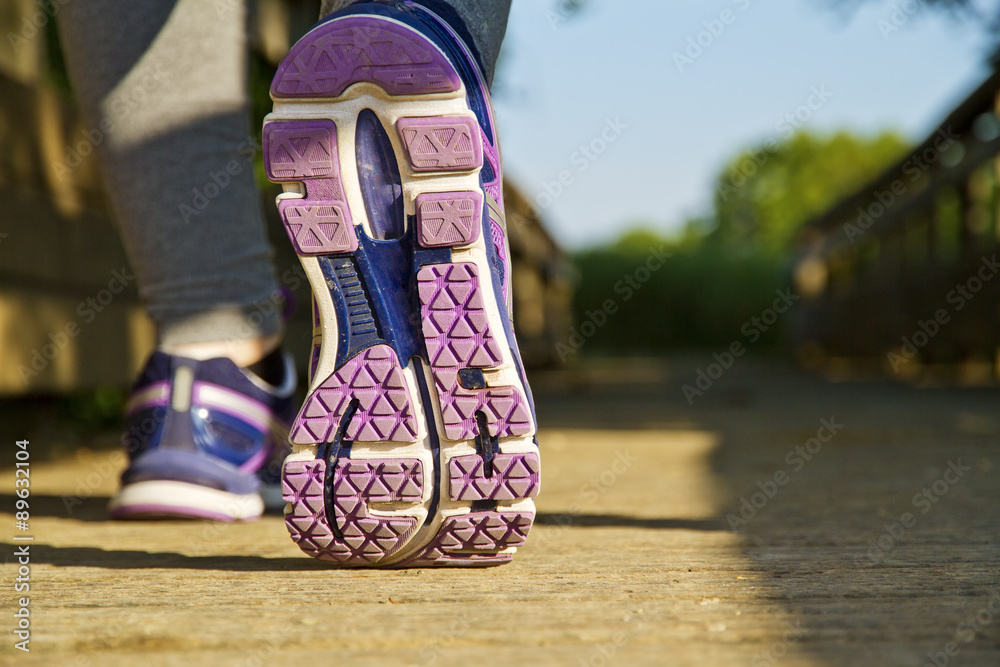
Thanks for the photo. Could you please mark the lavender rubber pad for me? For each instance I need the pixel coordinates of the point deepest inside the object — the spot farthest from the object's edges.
(474, 539)
(320, 223)
(364, 538)
(457, 335)
(373, 378)
(355, 49)
(448, 218)
(294, 150)
(441, 143)
(514, 476)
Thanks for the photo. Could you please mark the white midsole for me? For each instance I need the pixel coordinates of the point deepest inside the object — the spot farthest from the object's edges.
(186, 498)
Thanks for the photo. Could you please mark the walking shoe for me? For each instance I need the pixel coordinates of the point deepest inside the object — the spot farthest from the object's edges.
(416, 443)
(205, 440)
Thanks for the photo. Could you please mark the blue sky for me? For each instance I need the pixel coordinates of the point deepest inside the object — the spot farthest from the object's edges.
(669, 126)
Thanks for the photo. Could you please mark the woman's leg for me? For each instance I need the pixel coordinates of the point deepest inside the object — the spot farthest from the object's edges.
(163, 88)
(165, 83)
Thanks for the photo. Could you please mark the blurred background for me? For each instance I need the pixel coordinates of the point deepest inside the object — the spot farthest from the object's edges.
(810, 180)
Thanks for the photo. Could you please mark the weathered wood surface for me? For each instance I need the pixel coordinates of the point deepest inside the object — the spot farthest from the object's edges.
(633, 559)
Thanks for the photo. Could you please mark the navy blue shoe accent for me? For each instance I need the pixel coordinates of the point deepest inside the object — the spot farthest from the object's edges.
(374, 295)
(387, 268)
(472, 378)
(357, 325)
(425, 256)
(330, 453)
(381, 185)
(435, 439)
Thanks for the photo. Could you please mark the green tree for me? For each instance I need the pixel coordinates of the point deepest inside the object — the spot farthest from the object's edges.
(764, 195)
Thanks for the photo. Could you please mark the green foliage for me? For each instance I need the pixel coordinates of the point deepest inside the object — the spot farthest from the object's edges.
(763, 196)
(95, 409)
(700, 297)
(725, 268)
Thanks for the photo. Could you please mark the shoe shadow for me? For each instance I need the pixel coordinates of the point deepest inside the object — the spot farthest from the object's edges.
(570, 520)
(120, 559)
(90, 509)
(93, 508)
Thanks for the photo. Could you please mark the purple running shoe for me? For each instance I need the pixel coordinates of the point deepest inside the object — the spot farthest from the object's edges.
(205, 441)
(416, 443)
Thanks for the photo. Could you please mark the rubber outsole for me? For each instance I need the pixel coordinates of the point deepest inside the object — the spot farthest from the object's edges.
(415, 445)
(163, 499)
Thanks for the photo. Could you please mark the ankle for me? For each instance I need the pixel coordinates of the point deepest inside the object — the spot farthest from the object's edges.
(243, 352)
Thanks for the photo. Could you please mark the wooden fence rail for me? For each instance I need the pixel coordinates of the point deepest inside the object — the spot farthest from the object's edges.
(903, 272)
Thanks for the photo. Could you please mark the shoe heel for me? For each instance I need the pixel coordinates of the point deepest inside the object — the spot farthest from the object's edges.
(358, 535)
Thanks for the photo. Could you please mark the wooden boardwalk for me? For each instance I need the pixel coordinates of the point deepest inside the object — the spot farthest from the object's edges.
(834, 560)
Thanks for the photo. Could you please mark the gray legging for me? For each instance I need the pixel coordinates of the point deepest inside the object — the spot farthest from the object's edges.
(163, 89)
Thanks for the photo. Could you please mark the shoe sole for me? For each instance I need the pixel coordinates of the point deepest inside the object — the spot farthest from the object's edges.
(427, 460)
(182, 500)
